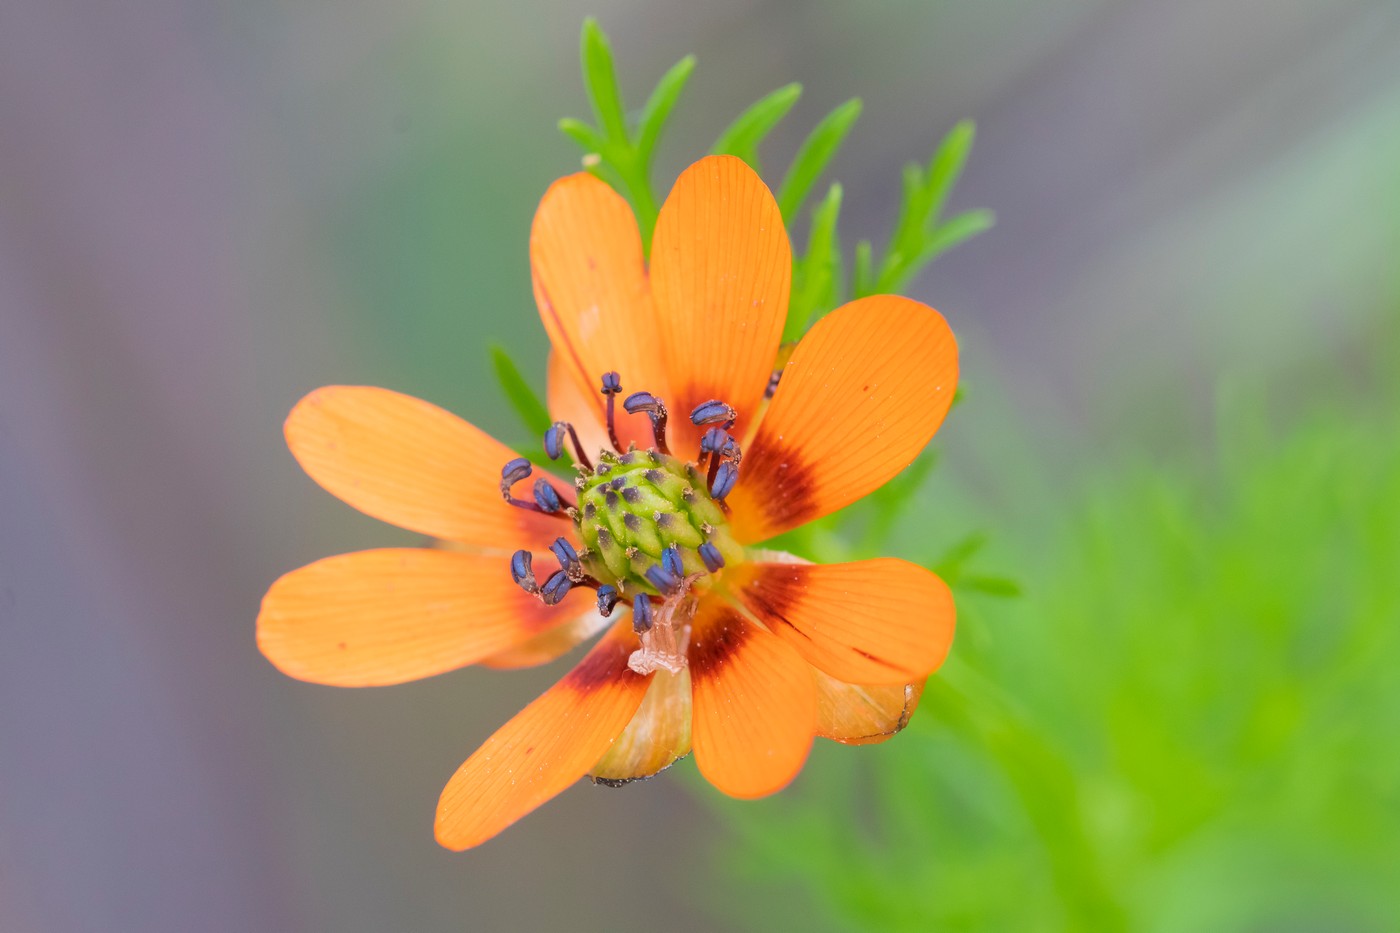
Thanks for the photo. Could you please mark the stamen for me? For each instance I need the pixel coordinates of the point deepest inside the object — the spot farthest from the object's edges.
(555, 588)
(512, 473)
(655, 410)
(721, 445)
(568, 559)
(522, 571)
(710, 554)
(773, 383)
(725, 478)
(546, 497)
(607, 599)
(641, 613)
(554, 443)
(713, 412)
(612, 385)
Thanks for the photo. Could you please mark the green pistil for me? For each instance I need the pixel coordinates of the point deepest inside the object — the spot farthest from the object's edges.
(634, 506)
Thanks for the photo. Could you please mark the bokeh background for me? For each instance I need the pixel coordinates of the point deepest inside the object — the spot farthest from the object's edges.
(1176, 344)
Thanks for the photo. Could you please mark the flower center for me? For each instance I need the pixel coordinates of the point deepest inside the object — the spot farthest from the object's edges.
(652, 527)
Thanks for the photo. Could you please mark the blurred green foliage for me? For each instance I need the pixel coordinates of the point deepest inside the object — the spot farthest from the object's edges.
(1189, 723)
(620, 151)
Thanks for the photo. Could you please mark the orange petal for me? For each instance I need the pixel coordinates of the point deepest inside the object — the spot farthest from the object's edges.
(655, 738)
(883, 621)
(548, 745)
(549, 645)
(594, 298)
(412, 464)
(856, 714)
(721, 272)
(568, 403)
(864, 391)
(396, 614)
(755, 704)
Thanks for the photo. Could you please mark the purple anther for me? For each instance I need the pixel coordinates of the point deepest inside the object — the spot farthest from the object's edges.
(514, 472)
(546, 497)
(641, 401)
(666, 582)
(641, 613)
(671, 561)
(555, 588)
(617, 482)
(714, 412)
(554, 440)
(725, 478)
(607, 599)
(710, 554)
(568, 559)
(612, 385)
(713, 440)
(655, 409)
(522, 571)
(631, 494)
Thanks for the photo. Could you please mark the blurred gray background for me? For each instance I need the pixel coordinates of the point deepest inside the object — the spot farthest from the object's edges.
(210, 208)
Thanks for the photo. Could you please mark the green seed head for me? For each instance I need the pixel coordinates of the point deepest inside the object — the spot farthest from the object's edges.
(634, 506)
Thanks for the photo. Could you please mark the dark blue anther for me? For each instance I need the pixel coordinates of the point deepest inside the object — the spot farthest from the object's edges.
(655, 410)
(641, 401)
(666, 582)
(556, 588)
(713, 440)
(671, 561)
(725, 478)
(607, 599)
(632, 494)
(612, 383)
(554, 439)
(546, 497)
(568, 558)
(641, 613)
(713, 412)
(710, 554)
(514, 472)
(522, 571)
(617, 482)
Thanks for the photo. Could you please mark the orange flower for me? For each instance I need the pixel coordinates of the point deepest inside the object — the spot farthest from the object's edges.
(741, 654)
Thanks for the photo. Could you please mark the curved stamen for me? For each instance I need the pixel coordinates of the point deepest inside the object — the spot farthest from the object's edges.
(522, 571)
(512, 473)
(555, 588)
(655, 410)
(607, 599)
(710, 554)
(713, 412)
(642, 620)
(612, 386)
(554, 443)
